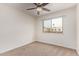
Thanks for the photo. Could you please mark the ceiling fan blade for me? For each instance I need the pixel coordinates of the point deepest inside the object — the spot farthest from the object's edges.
(30, 8)
(44, 4)
(38, 12)
(35, 4)
(45, 9)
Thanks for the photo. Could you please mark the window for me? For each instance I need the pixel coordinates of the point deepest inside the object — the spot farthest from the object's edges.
(53, 25)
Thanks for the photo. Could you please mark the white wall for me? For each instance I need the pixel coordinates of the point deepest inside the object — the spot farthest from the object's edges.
(77, 26)
(65, 39)
(16, 28)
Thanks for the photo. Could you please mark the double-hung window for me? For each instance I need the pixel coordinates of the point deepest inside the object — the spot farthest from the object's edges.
(53, 25)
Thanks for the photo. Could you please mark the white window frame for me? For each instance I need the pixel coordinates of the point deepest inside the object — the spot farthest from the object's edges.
(51, 26)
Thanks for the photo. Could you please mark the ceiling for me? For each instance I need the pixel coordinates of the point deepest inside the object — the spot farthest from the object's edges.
(52, 6)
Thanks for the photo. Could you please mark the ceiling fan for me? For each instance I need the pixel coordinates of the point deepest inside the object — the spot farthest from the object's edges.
(39, 7)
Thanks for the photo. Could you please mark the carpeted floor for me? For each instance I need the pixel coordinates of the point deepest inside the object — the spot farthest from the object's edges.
(40, 49)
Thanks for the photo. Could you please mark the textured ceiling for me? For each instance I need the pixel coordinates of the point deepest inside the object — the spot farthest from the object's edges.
(52, 6)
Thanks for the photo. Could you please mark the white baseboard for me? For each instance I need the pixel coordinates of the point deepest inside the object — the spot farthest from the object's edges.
(27, 44)
(3, 51)
(58, 44)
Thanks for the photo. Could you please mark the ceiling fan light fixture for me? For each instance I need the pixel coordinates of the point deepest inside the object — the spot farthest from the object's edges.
(39, 9)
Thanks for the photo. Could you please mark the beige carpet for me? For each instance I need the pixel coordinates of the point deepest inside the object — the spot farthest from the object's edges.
(40, 49)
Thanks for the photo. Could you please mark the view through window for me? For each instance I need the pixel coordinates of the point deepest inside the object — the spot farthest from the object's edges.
(53, 25)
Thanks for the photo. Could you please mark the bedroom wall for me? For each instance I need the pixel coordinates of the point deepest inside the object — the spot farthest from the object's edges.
(77, 27)
(65, 39)
(16, 28)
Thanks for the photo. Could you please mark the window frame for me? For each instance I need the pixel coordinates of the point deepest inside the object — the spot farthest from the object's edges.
(51, 25)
